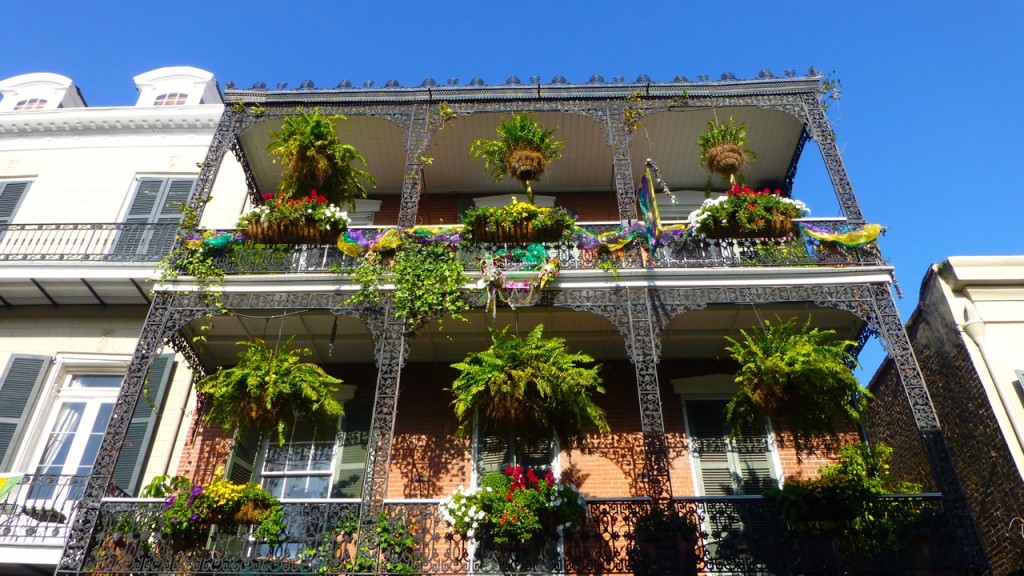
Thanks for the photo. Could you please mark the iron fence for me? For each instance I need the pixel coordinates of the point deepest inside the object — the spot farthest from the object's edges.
(116, 242)
(695, 535)
(40, 508)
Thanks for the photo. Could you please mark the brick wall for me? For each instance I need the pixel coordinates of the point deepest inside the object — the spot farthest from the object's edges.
(437, 209)
(983, 462)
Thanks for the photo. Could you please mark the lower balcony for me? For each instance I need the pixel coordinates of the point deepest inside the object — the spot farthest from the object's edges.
(36, 515)
(699, 535)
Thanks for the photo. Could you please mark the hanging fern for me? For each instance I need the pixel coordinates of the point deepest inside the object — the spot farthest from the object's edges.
(269, 390)
(800, 379)
(530, 387)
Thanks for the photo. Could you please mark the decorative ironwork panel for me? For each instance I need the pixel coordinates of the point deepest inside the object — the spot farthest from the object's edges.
(820, 129)
(417, 140)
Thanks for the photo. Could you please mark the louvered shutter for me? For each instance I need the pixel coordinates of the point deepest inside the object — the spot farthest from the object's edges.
(19, 387)
(492, 449)
(352, 461)
(11, 194)
(137, 440)
(160, 201)
(242, 464)
(170, 212)
(710, 443)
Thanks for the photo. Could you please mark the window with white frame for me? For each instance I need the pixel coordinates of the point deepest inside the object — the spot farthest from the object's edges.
(171, 99)
(30, 104)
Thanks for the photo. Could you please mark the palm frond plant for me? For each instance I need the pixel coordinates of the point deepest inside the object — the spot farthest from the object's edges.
(798, 377)
(269, 390)
(529, 387)
(313, 158)
(522, 151)
(723, 148)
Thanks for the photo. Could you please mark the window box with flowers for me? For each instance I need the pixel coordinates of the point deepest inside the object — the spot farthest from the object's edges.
(516, 516)
(747, 213)
(282, 219)
(519, 222)
(189, 510)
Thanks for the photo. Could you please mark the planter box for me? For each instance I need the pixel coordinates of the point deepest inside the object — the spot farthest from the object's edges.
(293, 232)
(778, 228)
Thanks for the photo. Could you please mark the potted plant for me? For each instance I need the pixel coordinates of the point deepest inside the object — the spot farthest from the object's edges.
(722, 148)
(189, 509)
(518, 222)
(844, 503)
(427, 275)
(269, 389)
(797, 377)
(747, 213)
(517, 506)
(282, 219)
(522, 151)
(314, 158)
(529, 387)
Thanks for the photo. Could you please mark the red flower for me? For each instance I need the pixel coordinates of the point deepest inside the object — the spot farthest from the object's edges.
(751, 207)
(508, 496)
(268, 195)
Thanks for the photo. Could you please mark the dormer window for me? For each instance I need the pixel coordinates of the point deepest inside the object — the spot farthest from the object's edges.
(171, 99)
(30, 104)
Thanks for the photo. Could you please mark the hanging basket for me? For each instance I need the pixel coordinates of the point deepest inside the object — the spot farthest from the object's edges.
(522, 233)
(249, 513)
(525, 164)
(726, 159)
(776, 228)
(290, 232)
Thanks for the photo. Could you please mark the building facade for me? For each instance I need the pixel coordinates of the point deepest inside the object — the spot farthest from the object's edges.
(92, 200)
(655, 315)
(966, 333)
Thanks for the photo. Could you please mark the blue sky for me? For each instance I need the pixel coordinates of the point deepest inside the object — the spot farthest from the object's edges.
(927, 115)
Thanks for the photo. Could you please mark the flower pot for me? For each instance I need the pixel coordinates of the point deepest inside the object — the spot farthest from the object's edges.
(521, 233)
(290, 232)
(526, 164)
(249, 513)
(726, 159)
(776, 228)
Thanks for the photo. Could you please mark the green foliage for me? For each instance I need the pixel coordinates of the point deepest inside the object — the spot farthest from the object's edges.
(789, 253)
(844, 502)
(314, 158)
(393, 538)
(515, 506)
(515, 214)
(529, 387)
(189, 509)
(428, 279)
(521, 132)
(751, 210)
(270, 390)
(633, 115)
(313, 208)
(798, 378)
(722, 133)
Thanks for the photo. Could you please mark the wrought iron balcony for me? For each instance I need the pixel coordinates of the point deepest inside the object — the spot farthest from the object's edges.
(115, 242)
(684, 252)
(712, 535)
(40, 509)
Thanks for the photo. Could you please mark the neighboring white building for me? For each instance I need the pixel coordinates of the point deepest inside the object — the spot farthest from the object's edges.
(90, 201)
(968, 336)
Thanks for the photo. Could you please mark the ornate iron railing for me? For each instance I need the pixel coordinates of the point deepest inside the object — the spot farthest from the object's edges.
(40, 509)
(711, 535)
(117, 242)
(684, 252)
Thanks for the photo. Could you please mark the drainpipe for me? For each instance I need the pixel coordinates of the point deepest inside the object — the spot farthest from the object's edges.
(974, 327)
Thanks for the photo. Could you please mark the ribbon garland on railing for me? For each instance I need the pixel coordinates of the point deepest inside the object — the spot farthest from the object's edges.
(851, 238)
(214, 239)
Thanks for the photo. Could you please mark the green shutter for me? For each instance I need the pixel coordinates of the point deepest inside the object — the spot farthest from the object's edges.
(11, 194)
(159, 201)
(710, 443)
(492, 449)
(242, 464)
(18, 389)
(139, 437)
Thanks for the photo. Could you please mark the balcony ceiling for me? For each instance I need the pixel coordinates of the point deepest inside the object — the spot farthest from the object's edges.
(699, 334)
(669, 138)
(73, 284)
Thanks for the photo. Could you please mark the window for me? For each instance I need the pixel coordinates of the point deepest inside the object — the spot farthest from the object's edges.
(493, 451)
(11, 194)
(30, 104)
(171, 99)
(156, 201)
(61, 435)
(726, 465)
